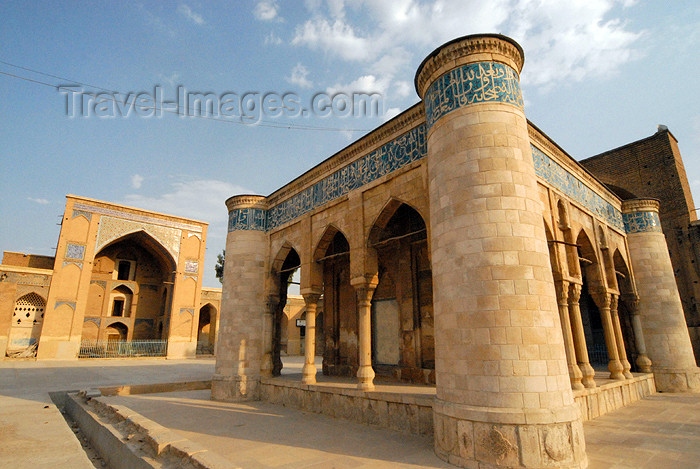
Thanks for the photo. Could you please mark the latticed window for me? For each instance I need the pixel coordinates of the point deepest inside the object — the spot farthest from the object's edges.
(29, 308)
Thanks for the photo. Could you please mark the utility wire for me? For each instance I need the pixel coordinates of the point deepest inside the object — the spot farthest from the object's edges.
(261, 123)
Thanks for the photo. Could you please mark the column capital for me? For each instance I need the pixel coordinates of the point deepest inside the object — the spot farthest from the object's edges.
(601, 297)
(562, 289)
(575, 290)
(311, 295)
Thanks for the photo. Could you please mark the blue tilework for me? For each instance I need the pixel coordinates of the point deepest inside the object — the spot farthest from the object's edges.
(481, 82)
(641, 222)
(570, 185)
(77, 213)
(396, 154)
(247, 219)
(75, 251)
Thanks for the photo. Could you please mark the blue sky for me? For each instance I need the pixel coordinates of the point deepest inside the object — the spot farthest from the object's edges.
(598, 74)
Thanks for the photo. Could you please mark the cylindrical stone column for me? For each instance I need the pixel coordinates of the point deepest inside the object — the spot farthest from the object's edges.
(365, 372)
(579, 334)
(575, 375)
(308, 373)
(663, 323)
(240, 351)
(503, 391)
(603, 300)
(642, 361)
(617, 328)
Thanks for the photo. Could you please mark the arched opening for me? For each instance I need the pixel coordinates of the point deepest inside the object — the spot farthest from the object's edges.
(205, 341)
(290, 262)
(116, 331)
(136, 271)
(625, 308)
(403, 338)
(27, 321)
(337, 334)
(590, 314)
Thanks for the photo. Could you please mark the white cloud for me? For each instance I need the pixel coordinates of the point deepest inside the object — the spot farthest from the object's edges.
(403, 88)
(267, 10)
(336, 38)
(299, 76)
(391, 113)
(272, 39)
(199, 199)
(564, 41)
(39, 201)
(364, 84)
(187, 12)
(136, 181)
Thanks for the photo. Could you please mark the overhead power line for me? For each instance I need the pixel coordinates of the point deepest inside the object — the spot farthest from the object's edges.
(262, 123)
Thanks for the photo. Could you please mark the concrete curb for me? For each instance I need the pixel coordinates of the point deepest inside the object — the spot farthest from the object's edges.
(125, 439)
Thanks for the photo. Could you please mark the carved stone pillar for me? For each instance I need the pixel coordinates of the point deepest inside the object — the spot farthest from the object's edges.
(575, 375)
(308, 373)
(618, 336)
(365, 373)
(643, 362)
(603, 299)
(579, 336)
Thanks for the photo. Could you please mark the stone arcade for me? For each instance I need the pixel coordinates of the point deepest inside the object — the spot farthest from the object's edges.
(458, 245)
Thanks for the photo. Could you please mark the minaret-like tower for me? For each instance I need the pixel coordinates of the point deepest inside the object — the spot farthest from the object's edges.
(503, 391)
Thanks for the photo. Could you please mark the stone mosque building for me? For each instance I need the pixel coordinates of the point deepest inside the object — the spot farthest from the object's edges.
(458, 245)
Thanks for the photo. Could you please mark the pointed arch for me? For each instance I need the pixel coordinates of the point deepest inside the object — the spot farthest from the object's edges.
(151, 244)
(287, 257)
(330, 235)
(386, 215)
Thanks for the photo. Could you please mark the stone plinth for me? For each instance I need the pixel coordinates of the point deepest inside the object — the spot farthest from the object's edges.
(660, 309)
(503, 391)
(240, 347)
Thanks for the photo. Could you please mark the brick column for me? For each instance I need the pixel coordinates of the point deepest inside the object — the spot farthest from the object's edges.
(308, 373)
(240, 350)
(660, 308)
(503, 392)
(579, 335)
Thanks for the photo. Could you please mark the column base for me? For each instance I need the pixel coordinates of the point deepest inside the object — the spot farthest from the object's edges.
(676, 380)
(468, 436)
(308, 374)
(235, 389)
(365, 376)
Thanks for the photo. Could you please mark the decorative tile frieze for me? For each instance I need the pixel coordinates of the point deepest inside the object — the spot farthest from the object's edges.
(481, 82)
(26, 279)
(78, 264)
(78, 213)
(642, 222)
(247, 219)
(136, 217)
(562, 180)
(114, 228)
(390, 157)
(75, 251)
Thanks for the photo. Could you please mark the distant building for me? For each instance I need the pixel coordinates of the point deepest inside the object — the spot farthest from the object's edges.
(120, 274)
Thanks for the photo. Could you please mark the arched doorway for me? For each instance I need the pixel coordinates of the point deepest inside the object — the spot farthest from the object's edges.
(132, 278)
(27, 321)
(403, 340)
(205, 339)
(284, 271)
(338, 332)
(590, 314)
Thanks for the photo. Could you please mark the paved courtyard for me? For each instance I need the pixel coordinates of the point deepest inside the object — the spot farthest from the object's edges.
(661, 431)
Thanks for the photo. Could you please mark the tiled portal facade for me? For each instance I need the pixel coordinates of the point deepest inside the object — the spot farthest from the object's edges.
(458, 245)
(120, 273)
